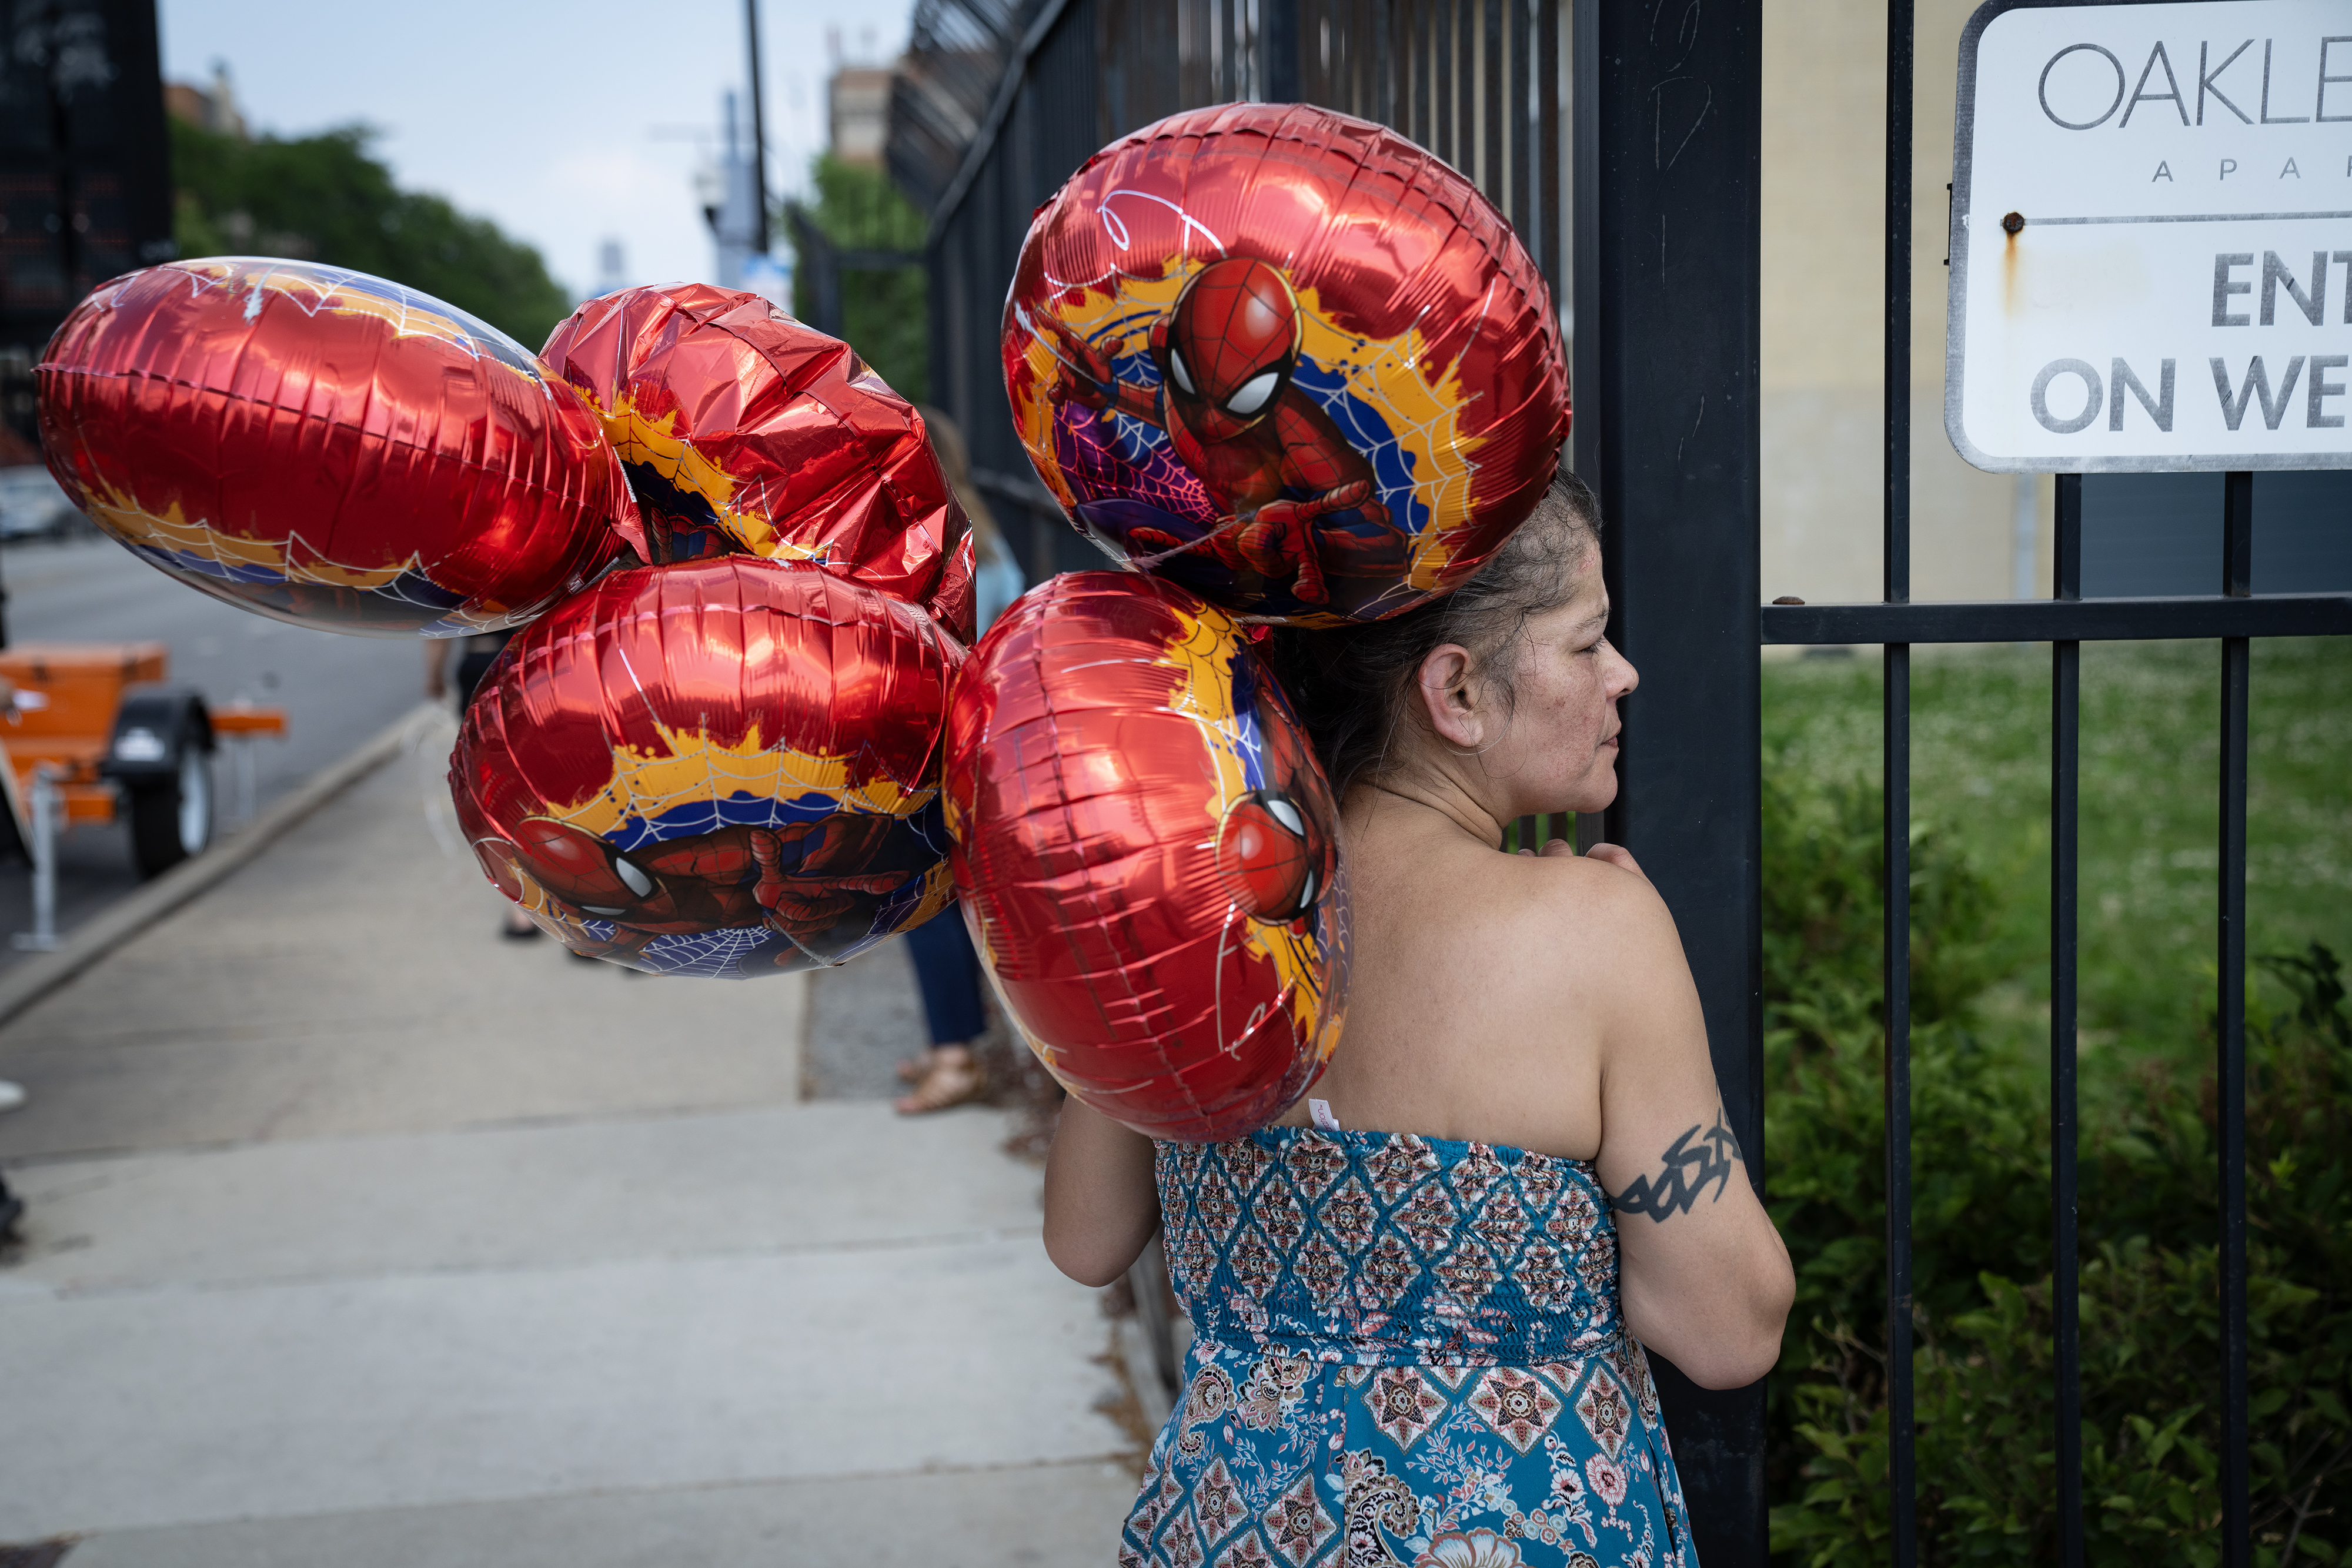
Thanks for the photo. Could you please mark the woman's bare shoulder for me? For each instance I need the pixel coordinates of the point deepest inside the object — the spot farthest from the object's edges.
(1514, 932)
(1602, 906)
(1597, 930)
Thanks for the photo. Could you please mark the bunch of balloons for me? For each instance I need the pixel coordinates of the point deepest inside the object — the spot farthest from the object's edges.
(742, 585)
(1285, 367)
(1279, 364)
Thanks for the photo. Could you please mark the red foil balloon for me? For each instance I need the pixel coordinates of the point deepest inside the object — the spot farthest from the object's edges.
(1147, 854)
(327, 448)
(715, 767)
(745, 432)
(1287, 359)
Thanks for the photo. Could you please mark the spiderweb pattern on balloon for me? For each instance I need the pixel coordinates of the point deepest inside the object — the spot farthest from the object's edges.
(739, 950)
(709, 953)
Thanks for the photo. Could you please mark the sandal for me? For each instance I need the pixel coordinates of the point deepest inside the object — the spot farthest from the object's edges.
(957, 1079)
(917, 1068)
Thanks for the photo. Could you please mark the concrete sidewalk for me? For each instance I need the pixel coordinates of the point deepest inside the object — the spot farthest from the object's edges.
(358, 1235)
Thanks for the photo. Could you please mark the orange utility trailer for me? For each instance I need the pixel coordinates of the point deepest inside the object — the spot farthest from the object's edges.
(95, 734)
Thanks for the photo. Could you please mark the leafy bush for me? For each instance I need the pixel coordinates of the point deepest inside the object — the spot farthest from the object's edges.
(1984, 1392)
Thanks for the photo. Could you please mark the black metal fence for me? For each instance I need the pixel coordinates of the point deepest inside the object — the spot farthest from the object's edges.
(2065, 621)
(1650, 227)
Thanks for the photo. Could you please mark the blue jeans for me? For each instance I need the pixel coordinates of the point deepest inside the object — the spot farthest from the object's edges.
(949, 972)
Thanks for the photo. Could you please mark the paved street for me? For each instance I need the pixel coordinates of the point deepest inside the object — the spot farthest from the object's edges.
(358, 1235)
(337, 691)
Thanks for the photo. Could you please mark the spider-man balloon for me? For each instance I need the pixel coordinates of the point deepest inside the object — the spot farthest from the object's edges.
(714, 768)
(1147, 854)
(745, 432)
(327, 448)
(1287, 359)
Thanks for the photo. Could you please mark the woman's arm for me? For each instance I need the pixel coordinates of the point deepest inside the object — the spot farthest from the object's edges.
(1101, 1202)
(1704, 1277)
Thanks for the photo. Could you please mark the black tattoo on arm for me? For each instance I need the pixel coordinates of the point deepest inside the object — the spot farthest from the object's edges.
(1691, 1165)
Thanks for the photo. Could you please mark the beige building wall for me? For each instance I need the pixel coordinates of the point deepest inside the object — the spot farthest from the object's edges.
(1823, 328)
(858, 109)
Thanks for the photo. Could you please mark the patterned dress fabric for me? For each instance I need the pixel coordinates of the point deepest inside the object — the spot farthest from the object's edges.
(1406, 1351)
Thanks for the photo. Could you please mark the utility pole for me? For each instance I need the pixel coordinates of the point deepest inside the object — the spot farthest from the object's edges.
(759, 138)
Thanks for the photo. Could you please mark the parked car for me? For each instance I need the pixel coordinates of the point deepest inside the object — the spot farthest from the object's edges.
(33, 506)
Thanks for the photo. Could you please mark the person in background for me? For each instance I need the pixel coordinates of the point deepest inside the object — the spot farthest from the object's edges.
(946, 966)
(479, 653)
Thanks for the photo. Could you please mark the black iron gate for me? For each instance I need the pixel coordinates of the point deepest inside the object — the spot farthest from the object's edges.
(1653, 234)
(2065, 621)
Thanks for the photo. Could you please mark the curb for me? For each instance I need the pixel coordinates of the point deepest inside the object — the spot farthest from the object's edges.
(36, 977)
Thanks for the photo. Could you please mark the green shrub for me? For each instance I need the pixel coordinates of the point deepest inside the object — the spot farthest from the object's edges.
(1984, 1396)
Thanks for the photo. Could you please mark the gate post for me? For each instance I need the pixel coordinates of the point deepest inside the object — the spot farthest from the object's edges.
(1667, 116)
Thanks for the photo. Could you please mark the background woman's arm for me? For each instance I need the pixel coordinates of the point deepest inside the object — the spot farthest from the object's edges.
(1101, 1203)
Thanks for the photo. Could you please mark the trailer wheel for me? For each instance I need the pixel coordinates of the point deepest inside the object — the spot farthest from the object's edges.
(171, 817)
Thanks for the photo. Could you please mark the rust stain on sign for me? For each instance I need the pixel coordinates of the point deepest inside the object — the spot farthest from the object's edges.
(2011, 225)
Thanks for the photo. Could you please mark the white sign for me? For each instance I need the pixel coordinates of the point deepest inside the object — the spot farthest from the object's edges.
(2152, 237)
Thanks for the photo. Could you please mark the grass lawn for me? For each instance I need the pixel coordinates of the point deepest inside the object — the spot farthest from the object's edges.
(2150, 770)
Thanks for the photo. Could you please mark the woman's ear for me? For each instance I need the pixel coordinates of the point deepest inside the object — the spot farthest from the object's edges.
(1450, 695)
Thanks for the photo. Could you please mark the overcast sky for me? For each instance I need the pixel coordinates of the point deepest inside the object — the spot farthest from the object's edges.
(566, 124)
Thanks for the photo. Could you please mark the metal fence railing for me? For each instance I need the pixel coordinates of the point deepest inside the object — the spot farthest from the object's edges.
(2065, 621)
(1626, 151)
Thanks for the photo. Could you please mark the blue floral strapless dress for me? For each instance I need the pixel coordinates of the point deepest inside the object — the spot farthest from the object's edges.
(1406, 1351)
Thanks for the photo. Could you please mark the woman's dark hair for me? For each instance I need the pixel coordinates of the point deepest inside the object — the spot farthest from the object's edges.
(1351, 687)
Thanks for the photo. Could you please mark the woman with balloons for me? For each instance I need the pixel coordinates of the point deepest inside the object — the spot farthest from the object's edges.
(1424, 1250)
(1431, 1132)
(1420, 1273)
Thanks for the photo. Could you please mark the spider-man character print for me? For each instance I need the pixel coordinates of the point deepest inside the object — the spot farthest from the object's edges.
(1297, 501)
(680, 524)
(817, 885)
(1276, 850)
